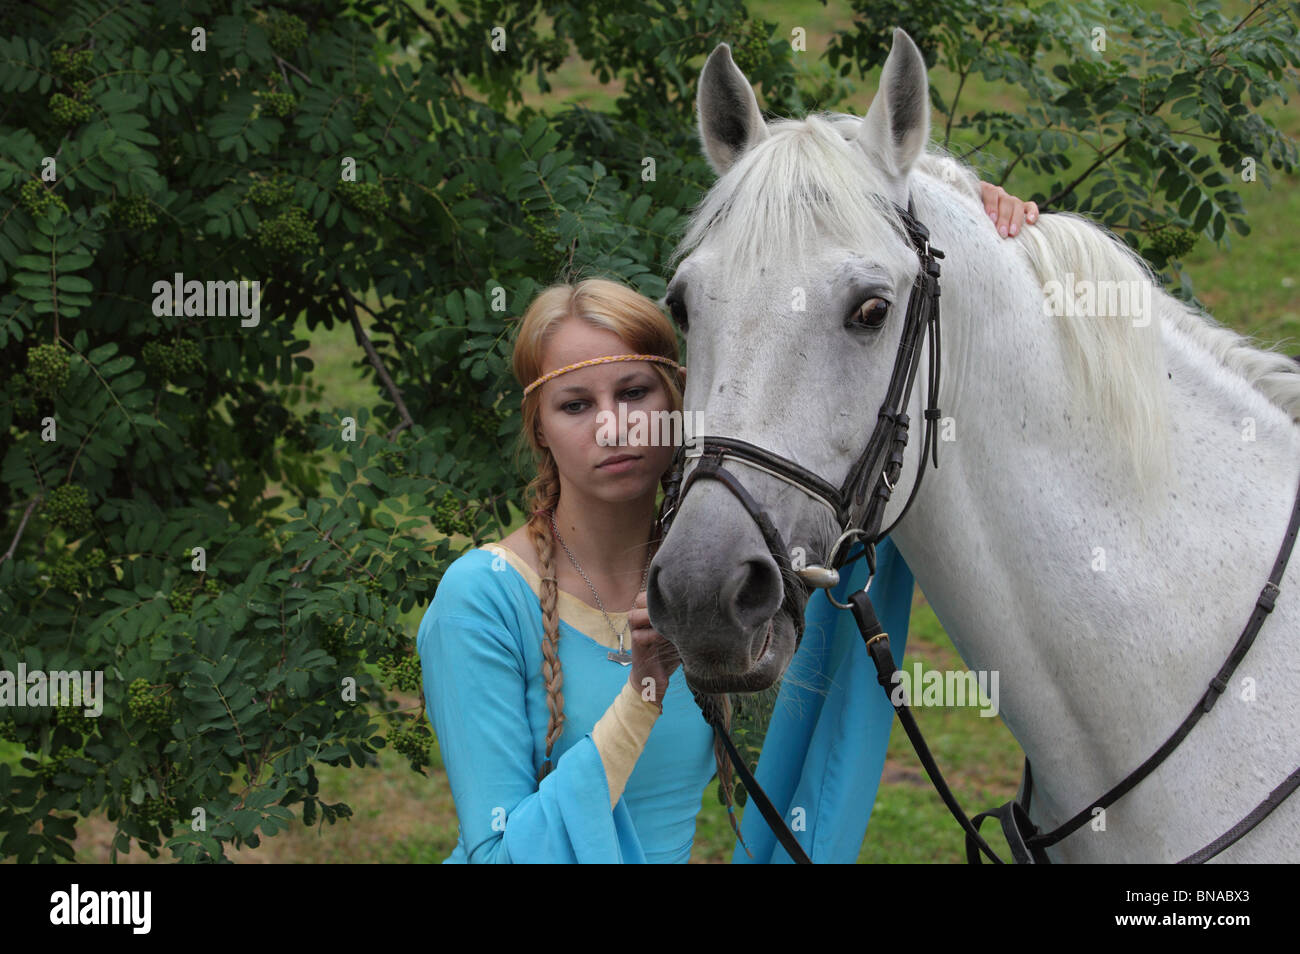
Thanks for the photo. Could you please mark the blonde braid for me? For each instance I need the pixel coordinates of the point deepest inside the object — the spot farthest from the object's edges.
(544, 494)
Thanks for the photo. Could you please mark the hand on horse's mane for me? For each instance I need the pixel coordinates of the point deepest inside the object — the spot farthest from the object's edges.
(1007, 212)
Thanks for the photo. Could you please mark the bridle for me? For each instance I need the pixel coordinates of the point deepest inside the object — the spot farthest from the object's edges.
(855, 513)
(860, 515)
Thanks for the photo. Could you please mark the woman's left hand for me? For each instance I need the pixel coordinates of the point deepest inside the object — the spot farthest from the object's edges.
(1007, 212)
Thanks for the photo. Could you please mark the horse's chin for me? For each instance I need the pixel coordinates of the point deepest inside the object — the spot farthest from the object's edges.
(765, 671)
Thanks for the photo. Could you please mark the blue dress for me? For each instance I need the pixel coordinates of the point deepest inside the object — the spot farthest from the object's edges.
(480, 648)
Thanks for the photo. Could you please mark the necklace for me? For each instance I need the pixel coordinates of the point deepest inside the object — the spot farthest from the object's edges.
(622, 657)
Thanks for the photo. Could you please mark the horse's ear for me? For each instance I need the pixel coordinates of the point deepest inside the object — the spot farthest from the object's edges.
(730, 122)
(897, 125)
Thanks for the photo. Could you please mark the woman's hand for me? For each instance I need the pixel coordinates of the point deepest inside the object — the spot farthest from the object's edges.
(653, 657)
(1007, 212)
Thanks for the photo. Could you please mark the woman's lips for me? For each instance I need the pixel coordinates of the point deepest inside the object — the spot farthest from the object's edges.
(624, 462)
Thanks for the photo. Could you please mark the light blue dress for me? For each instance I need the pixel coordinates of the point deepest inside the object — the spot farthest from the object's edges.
(480, 648)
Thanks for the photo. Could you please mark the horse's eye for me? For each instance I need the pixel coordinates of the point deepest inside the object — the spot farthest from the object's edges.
(870, 314)
(678, 309)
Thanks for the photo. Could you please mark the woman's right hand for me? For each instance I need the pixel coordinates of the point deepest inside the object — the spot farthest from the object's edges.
(653, 657)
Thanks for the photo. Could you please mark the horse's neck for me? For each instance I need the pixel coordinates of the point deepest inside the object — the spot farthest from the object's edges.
(1104, 606)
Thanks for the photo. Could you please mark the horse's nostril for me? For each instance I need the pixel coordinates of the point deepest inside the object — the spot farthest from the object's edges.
(752, 594)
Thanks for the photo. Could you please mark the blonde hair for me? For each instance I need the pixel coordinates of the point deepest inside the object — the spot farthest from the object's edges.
(640, 324)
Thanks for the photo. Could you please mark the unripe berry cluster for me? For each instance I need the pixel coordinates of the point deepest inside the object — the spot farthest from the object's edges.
(368, 198)
(134, 211)
(544, 240)
(66, 572)
(449, 518)
(68, 506)
(71, 63)
(290, 232)
(279, 104)
(1172, 242)
(37, 199)
(72, 717)
(146, 704)
(182, 600)
(170, 361)
(48, 367)
(285, 32)
(401, 673)
(71, 570)
(155, 811)
(414, 742)
(68, 111)
(334, 639)
(750, 49)
(270, 191)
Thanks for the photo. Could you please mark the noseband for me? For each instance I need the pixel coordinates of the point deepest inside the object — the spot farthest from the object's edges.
(856, 513)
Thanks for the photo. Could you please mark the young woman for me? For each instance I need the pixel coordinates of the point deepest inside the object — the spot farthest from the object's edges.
(533, 667)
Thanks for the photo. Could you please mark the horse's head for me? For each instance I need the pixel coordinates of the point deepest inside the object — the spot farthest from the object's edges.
(792, 292)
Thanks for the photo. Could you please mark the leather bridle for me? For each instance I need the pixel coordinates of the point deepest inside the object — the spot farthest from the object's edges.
(880, 462)
(861, 516)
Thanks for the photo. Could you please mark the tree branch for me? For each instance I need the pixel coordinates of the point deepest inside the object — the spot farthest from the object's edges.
(1087, 172)
(22, 525)
(376, 362)
(283, 63)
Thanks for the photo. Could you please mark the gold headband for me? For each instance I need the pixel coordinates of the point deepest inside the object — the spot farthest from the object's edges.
(589, 362)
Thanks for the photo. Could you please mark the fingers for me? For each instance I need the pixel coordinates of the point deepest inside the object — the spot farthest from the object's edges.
(991, 193)
(1007, 212)
(1006, 220)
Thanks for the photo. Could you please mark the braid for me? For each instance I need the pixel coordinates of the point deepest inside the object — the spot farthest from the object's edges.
(544, 493)
(721, 705)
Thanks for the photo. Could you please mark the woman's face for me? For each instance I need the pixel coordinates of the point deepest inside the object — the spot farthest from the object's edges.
(580, 409)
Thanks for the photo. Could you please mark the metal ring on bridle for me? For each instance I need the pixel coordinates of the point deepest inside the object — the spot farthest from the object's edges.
(823, 575)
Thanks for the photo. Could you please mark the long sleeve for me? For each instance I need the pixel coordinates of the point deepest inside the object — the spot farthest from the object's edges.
(825, 747)
(620, 736)
(475, 690)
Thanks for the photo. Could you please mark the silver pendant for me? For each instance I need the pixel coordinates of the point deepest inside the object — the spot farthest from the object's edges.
(622, 658)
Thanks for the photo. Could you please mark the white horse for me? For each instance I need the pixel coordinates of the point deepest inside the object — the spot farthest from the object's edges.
(1111, 493)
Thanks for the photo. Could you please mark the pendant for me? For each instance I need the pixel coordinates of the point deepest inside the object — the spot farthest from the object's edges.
(622, 658)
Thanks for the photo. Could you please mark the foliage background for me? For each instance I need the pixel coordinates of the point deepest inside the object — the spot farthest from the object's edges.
(387, 301)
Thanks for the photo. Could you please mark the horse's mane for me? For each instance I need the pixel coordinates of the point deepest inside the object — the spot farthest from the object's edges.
(1064, 242)
(822, 189)
(828, 190)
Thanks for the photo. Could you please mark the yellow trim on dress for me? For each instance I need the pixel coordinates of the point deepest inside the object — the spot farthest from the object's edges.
(583, 617)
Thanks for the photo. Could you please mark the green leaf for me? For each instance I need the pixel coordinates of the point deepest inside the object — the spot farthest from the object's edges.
(74, 283)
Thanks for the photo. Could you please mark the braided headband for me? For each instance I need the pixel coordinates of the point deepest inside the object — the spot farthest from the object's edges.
(588, 363)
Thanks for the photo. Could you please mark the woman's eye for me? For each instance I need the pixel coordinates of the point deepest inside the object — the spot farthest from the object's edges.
(870, 314)
(635, 393)
(569, 408)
